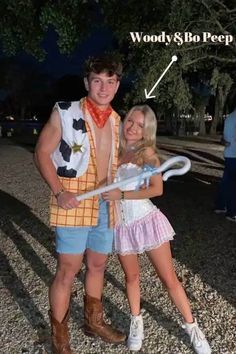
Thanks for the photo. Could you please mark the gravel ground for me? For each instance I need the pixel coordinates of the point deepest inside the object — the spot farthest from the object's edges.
(203, 250)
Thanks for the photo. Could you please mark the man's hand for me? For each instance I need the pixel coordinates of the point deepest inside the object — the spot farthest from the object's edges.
(66, 200)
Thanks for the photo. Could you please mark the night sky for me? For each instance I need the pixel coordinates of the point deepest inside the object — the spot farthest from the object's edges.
(58, 65)
(62, 73)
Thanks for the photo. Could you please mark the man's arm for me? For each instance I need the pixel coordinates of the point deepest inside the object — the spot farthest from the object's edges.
(47, 143)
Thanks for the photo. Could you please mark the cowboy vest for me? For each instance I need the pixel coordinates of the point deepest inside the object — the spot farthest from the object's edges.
(75, 163)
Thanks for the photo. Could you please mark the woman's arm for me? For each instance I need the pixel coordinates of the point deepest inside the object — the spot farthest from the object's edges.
(155, 188)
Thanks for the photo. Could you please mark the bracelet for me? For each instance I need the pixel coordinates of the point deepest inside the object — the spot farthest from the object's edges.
(59, 193)
(122, 195)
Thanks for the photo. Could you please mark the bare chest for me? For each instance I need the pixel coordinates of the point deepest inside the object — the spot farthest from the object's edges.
(103, 138)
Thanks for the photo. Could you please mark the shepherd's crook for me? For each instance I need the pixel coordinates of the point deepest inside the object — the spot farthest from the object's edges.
(146, 174)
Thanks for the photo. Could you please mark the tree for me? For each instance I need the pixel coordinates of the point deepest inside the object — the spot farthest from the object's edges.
(221, 83)
(148, 60)
(73, 19)
(25, 87)
(24, 24)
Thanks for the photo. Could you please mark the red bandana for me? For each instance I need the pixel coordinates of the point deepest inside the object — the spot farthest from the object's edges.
(99, 117)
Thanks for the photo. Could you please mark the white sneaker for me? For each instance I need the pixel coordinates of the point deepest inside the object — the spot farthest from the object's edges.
(197, 338)
(136, 335)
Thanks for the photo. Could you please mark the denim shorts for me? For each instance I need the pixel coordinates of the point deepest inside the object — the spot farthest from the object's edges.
(75, 240)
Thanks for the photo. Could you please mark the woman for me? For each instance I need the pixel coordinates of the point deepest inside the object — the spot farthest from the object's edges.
(142, 227)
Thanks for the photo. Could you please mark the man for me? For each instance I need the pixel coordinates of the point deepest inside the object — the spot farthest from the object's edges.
(226, 198)
(77, 151)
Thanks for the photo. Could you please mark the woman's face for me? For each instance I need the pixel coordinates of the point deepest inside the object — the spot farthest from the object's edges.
(133, 127)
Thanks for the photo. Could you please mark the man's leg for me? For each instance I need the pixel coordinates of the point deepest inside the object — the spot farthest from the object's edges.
(99, 245)
(220, 203)
(93, 308)
(96, 264)
(231, 187)
(70, 245)
(59, 298)
(59, 293)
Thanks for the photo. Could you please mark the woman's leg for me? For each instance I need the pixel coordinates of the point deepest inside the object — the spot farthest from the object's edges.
(161, 259)
(130, 267)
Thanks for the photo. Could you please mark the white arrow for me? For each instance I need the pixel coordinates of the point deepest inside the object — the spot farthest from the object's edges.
(148, 95)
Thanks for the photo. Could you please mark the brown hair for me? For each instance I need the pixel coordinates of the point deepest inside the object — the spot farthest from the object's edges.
(105, 64)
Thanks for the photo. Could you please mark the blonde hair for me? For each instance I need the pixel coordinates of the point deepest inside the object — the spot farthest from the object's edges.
(149, 132)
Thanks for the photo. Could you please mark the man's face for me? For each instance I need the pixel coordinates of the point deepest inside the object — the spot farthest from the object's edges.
(101, 88)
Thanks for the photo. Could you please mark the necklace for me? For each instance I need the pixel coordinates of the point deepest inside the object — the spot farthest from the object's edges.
(130, 148)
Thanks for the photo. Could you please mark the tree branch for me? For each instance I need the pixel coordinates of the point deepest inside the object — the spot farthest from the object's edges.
(225, 7)
(213, 16)
(186, 49)
(220, 59)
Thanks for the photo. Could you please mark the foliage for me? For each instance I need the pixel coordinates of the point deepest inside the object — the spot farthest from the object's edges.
(221, 83)
(196, 60)
(20, 27)
(24, 24)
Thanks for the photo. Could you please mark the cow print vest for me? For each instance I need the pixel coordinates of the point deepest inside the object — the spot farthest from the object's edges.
(71, 156)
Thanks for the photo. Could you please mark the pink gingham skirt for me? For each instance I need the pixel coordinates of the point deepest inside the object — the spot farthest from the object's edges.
(143, 234)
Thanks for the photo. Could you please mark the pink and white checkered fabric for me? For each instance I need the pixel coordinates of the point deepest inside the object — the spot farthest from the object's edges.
(143, 234)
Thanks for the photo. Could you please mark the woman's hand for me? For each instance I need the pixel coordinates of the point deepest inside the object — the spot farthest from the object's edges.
(115, 194)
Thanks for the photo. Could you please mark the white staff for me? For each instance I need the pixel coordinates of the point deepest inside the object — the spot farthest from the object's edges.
(145, 174)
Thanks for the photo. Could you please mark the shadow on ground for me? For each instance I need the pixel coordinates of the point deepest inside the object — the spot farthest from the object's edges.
(205, 242)
(15, 218)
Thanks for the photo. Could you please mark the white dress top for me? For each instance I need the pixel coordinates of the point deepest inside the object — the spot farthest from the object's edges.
(129, 210)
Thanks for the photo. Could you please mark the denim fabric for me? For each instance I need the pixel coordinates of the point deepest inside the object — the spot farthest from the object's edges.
(75, 240)
(226, 197)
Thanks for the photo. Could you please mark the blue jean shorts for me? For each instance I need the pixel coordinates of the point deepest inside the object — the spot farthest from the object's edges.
(75, 240)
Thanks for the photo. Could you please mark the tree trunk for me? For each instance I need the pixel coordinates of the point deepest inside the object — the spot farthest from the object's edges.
(168, 121)
(219, 107)
(175, 118)
(198, 119)
(222, 92)
(201, 113)
(216, 116)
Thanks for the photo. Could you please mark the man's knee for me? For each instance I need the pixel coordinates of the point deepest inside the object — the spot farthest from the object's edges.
(66, 272)
(96, 264)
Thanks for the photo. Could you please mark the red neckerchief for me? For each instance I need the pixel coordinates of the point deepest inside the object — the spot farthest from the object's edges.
(99, 117)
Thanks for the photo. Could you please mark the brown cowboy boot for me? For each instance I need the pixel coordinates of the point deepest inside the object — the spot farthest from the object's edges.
(60, 335)
(95, 325)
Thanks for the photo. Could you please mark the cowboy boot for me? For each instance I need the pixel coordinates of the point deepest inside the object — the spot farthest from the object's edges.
(60, 335)
(95, 325)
